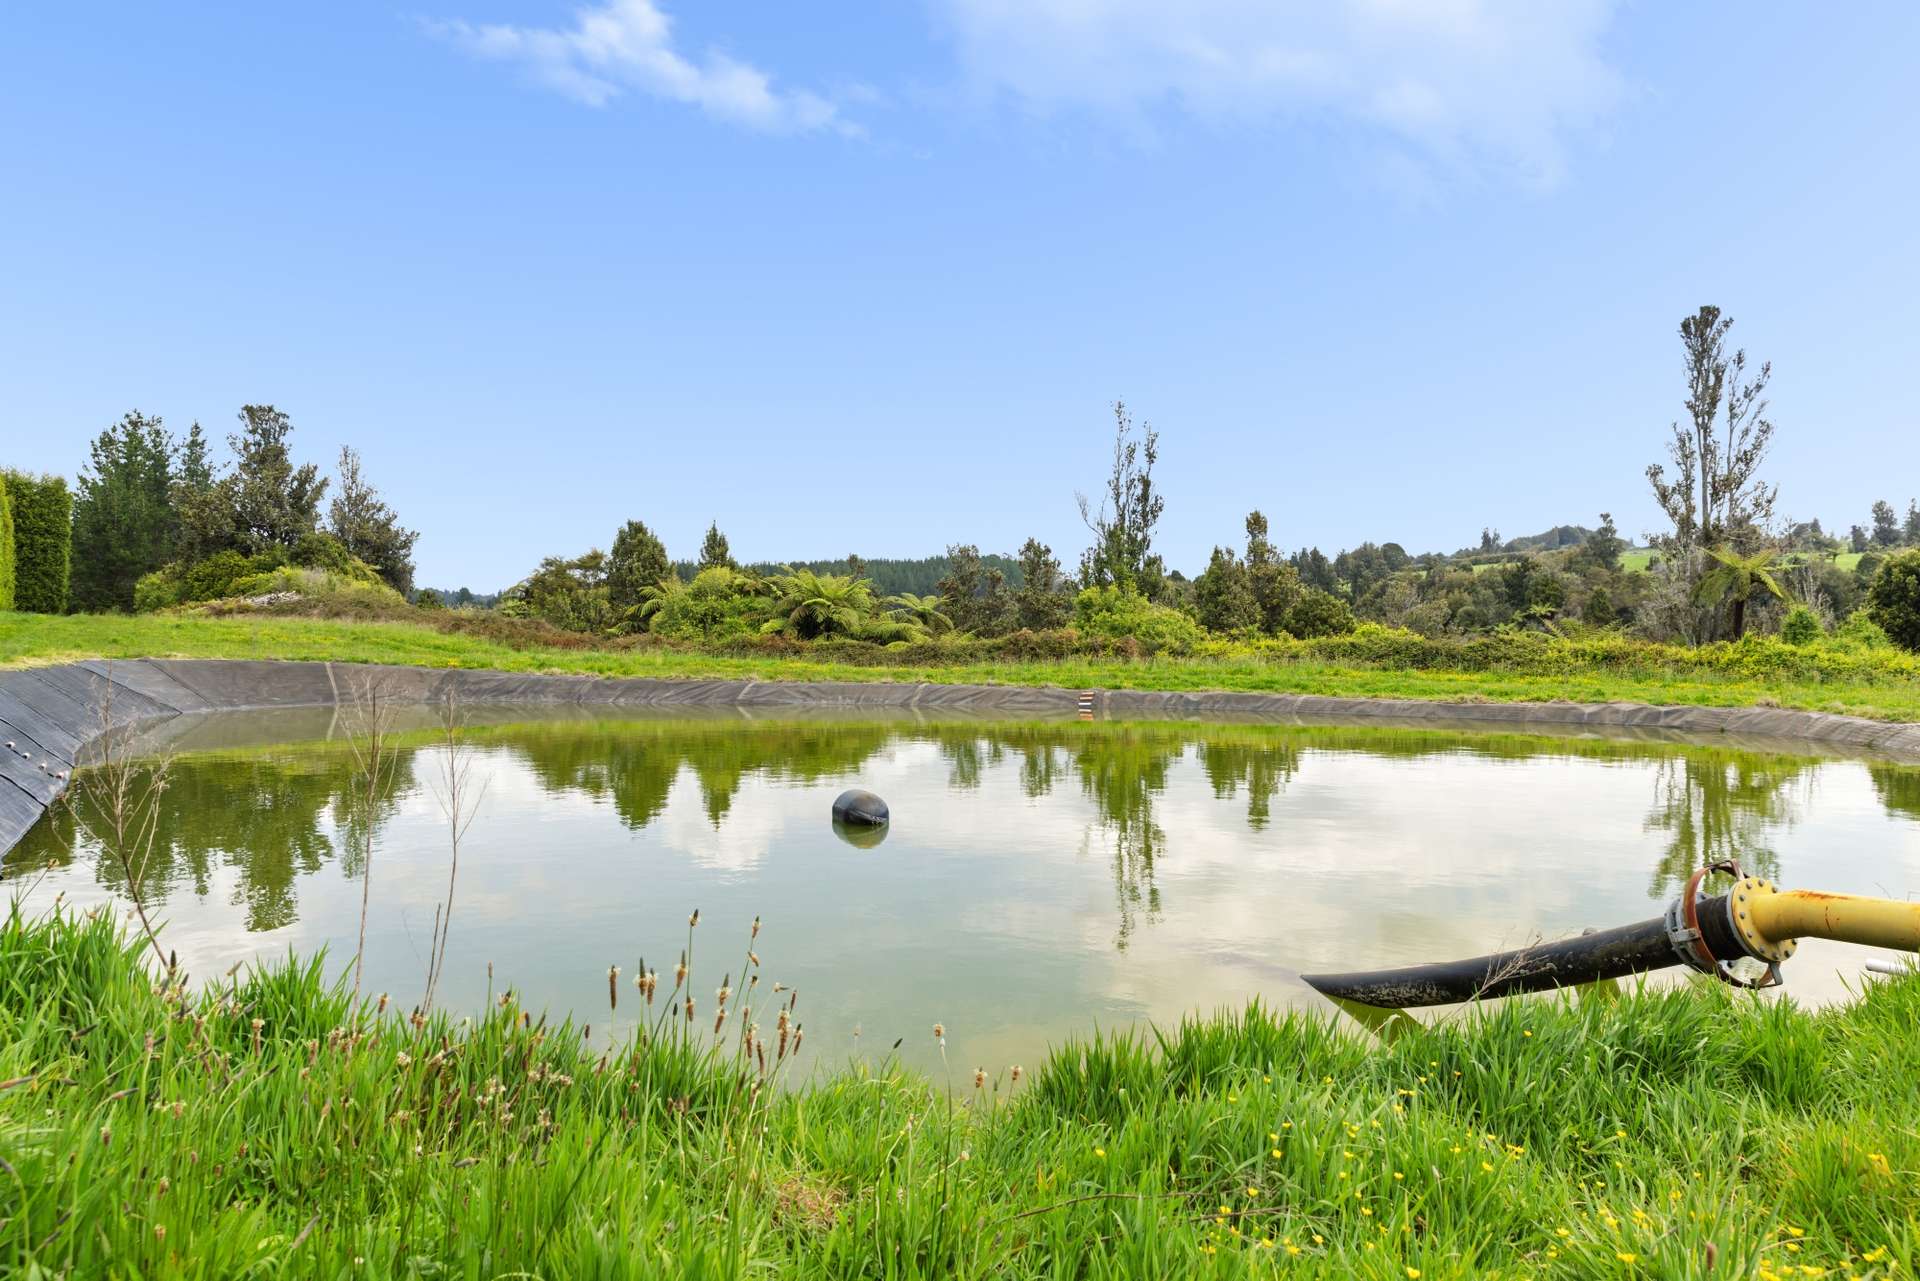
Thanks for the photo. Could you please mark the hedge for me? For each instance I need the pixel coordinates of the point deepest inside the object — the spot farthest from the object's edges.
(6, 546)
(42, 542)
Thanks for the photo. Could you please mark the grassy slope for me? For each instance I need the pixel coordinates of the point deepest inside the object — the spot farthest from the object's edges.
(261, 1129)
(27, 639)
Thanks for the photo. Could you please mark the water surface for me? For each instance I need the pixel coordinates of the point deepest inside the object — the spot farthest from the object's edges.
(1038, 879)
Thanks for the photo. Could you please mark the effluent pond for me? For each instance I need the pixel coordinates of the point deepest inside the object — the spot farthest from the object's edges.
(1038, 880)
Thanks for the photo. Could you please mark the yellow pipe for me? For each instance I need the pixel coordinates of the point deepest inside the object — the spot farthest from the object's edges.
(1780, 915)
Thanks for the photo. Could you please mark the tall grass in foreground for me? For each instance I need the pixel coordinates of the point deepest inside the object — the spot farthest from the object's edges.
(264, 1127)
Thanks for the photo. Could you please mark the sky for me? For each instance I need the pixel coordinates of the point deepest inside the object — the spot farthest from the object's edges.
(867, 278)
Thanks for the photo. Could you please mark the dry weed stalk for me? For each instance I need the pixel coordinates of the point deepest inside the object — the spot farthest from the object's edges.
(119, 807)
(460, 802)
(369, 728)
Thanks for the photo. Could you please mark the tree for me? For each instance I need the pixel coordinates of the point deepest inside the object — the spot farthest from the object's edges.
(719, 604)
(1319, 613)
(6, 546)
(1715, 495)
(714, 553)
(973, 596)
(42, 542)
(368, 528)
(1801, 626)
(274, 502)
(123, 520)
(1364, 568)
(1315, 570)
(810, 605)
(1894, 600)
(204, 520)
(1122, 526)
(1735, 577)
(1599, 608)
(638, 561)
(570, 594)
(1223, 595)
(1275, 583)
(1045, 598)
(1603, 547)
(1911, 531)
(1886, 525)
(1865, 570)
(923, 611)
(1489, 539)
(1857, 539)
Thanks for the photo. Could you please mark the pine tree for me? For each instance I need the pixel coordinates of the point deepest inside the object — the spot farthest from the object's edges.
(1604, 545)
(368, 528)
(1886, 525)
(714, 552)
(638, 561)
(973, 596)
(1223, 595)
(204, 519)
(123, 519)
(274, 502)
(1275, 583)
(1043, 600)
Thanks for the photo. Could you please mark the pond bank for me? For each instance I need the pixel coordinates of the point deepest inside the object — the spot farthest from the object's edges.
(53, 713)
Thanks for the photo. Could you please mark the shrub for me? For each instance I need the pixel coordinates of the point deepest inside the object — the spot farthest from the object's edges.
(162, 589)
(1800, 627)
(1894, 599)
(1118, 613)
(1025, 645)
(214, 577)
(359, 583)
(720, 604)
(42, 541)
(1320, 614)
(6, 547)
(322, 551)
(1861, 632)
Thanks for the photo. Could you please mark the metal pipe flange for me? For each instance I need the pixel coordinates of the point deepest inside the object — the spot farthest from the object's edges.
(1740, 900)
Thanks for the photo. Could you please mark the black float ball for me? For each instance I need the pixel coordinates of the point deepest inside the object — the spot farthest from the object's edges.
(856, 806)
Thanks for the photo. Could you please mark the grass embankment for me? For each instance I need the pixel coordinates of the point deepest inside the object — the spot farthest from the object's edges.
(262, 1128)
(1376, 663)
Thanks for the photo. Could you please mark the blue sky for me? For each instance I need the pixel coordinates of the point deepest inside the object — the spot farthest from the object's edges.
(855, 277)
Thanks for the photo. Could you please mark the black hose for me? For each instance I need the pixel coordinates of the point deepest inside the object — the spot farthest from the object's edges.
(1603, 954)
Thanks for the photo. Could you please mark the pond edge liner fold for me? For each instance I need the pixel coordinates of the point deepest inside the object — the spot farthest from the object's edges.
(52, 714)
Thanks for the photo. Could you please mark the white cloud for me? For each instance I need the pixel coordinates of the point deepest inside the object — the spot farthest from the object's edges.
(627, 45)
(1460, 81)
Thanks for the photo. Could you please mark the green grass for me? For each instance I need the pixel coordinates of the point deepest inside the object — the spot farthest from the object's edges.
(1881, 684)
(264, 1127)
